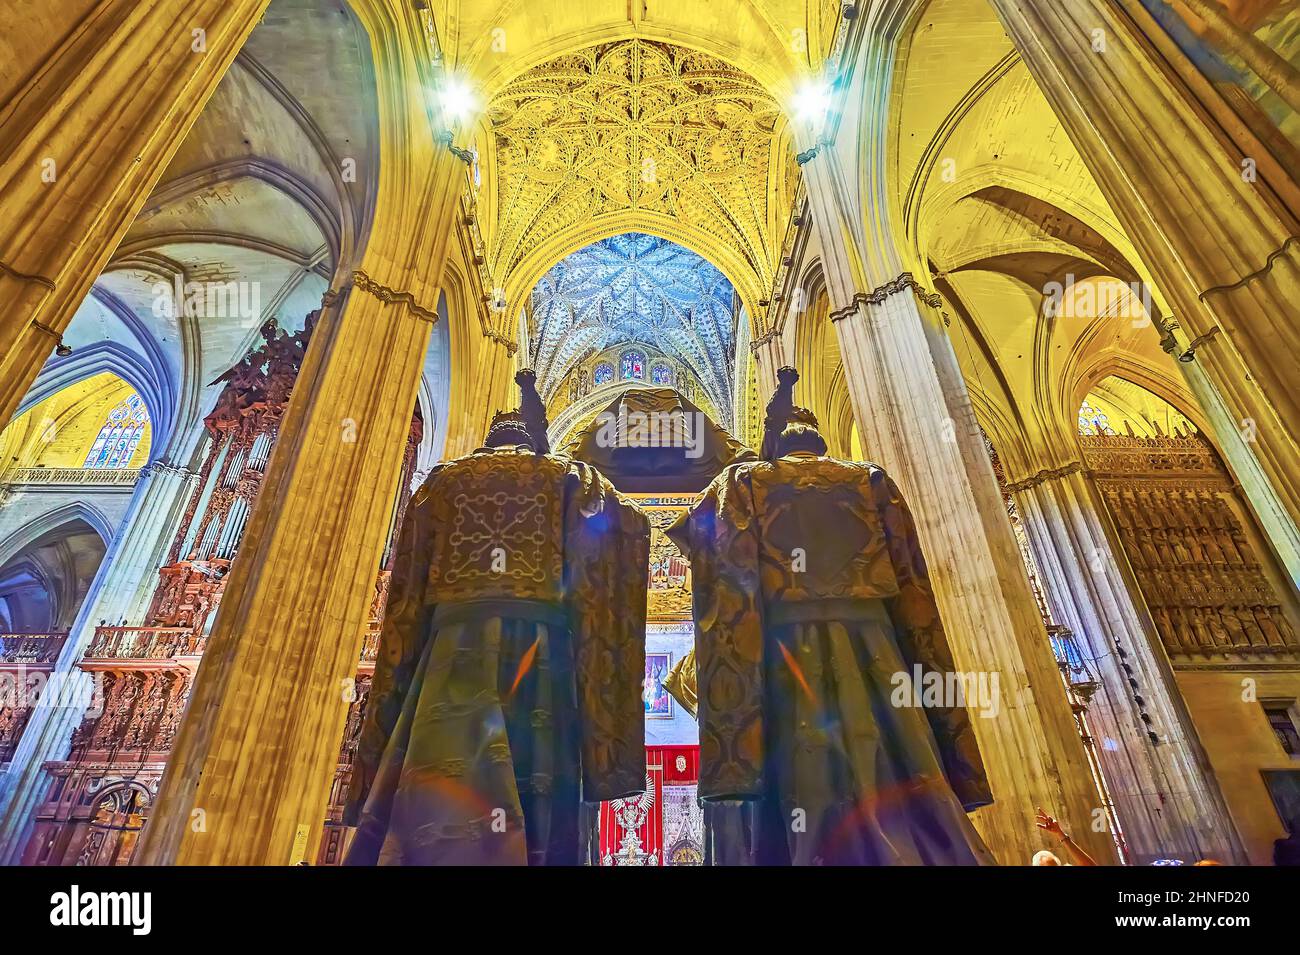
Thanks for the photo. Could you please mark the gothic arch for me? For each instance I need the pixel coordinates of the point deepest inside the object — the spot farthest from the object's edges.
(332, 224)
(435, 391)
(146, 370)
(1059, 386)
(815, 350)
(52, 520)
(479, 361)
(839, 413)
(23, 584)
(1162, 386)
(547, 255)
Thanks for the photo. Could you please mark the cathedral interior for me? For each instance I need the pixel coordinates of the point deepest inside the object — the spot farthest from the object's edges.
(268, 263)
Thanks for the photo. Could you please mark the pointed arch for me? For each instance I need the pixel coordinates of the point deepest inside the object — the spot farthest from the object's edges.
(52, 520)
(145, 368)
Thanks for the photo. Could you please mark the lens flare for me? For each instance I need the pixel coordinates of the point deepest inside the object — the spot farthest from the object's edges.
(525, 664)
(798, 673)
(457, 98)
(812, 101)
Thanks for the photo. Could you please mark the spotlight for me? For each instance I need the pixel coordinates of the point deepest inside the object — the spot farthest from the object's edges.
(456, 98)
(811, 102)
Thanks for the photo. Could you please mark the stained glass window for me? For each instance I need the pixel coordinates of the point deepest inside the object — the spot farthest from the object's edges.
(661, 374)
(604, 373)
(633, 366)
(1093, 420)
(120, 435)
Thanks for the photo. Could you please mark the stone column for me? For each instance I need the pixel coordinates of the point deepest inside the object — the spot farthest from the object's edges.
(916, 420)
(1165, 794)
(484, 373)
(1236, 444)
(768, 356)
(1223, 249)
(249, 777)
(120, 589)
(85, 133)
(252, 763)
(1280, 75)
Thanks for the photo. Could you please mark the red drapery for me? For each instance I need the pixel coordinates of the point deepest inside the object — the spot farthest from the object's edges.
(666, 766)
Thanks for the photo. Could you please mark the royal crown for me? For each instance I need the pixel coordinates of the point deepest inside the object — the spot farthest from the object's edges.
(507, 421)
(797, 415)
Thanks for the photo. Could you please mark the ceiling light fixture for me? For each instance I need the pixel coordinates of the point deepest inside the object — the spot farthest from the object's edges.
(811, 103)
(456, 98)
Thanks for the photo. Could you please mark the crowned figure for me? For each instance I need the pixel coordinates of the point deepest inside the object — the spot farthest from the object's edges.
(507, 689)
(814, 616)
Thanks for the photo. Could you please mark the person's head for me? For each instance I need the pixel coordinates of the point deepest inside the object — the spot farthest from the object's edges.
(508, 429)
(800, 434)
(1046, 857)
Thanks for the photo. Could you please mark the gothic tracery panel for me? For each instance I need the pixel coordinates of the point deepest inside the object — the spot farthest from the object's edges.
(1197, 567)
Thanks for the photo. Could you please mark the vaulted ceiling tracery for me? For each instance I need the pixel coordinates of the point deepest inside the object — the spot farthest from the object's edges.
(642, 133)
(636, 289)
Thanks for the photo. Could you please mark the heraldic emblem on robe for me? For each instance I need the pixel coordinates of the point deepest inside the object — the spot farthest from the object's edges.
(507, 690)
(810, 596)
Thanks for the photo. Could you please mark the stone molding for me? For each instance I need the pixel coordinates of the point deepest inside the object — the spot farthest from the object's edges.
(1045, 475)
(163, 467)
(880, 295)
(389, 296)
(40, 280)
(764, 339)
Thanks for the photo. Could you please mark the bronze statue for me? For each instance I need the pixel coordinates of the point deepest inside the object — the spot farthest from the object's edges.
(507, 689)
(813, 609)
(533, 410)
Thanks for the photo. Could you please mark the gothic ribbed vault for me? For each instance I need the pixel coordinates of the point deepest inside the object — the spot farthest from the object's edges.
(632, 289)
(635, 135)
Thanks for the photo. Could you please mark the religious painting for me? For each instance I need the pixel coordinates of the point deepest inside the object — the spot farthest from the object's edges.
(658, 701)
(669, 591)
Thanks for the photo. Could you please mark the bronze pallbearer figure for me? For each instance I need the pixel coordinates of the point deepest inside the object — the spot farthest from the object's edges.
(811, 598)
(508, 685)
